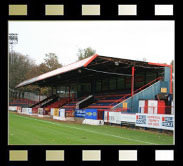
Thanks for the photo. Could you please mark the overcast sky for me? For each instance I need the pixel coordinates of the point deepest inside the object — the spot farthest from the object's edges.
(153, 40)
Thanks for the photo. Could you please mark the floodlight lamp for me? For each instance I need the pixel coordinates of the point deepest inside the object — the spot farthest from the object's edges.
(13, 38)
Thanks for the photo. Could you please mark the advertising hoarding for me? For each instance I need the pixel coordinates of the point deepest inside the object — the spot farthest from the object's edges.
(62, 112)
(159, 121)
(131, 118)
(118, 117)
(80, 113)
(91, 114)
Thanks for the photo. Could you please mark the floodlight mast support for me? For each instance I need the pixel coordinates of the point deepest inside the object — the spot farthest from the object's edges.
(13, 39)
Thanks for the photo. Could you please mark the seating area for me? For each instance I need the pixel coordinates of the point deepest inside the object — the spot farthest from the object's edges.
(58, 103)
(101, 101)
(22, 102)
(52, 103)
(72, 103)
(108, 101)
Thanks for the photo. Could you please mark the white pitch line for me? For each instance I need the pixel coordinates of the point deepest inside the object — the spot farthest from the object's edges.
(130, 139)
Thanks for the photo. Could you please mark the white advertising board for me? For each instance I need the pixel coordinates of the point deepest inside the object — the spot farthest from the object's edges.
(40, 111)
(26, 111)
(172, 107)
(141, 106)
(131, 118)
(114, 117)
(152, 106)
(62, 113)
(19, 109)
(159, 121)
(93, 122)
(52, 111)
(12, 108)
(118, 117)
(29, 110)
(15, 108)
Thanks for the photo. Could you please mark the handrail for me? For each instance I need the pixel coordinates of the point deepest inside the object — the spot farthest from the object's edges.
(40, 102)
(150, 83)
(137, 90)
(120, 99)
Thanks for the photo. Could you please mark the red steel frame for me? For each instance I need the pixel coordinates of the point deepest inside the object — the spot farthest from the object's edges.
(141, 88)
(69, 92)
(132, 82)
(171, 79)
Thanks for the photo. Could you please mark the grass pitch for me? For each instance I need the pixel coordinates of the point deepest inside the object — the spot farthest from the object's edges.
(25, 130)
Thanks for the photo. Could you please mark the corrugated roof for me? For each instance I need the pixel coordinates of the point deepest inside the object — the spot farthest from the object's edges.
(64, 69)
(84, 63)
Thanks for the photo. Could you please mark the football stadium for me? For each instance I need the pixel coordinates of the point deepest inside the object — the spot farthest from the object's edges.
(99, 100)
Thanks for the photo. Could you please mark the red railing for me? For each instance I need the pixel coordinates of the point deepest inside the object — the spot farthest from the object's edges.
(148, 84)
(137, 90)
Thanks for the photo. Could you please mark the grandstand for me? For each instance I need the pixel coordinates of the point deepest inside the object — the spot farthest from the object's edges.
(102, 83)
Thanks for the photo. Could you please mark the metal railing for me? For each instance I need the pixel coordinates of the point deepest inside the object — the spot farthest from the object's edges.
(137, 90)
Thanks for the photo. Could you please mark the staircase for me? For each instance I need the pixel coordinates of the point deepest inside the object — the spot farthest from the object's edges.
(59, 103)
(42, 102)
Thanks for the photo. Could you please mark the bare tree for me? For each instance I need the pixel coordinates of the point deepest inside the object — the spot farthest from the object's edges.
(85, 53)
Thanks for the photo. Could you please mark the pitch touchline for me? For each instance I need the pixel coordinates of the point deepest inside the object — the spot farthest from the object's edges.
(87, 130)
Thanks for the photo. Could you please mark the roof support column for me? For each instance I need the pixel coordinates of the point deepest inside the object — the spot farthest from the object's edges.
(132, 81)
(51, 91)
(93, 87)
(39, 93)
(170, 79)
(69, 92)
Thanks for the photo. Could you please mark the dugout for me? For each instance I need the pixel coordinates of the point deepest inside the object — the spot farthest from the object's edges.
(102, 75)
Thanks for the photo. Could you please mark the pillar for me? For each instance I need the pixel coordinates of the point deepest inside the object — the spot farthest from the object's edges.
(132, 81)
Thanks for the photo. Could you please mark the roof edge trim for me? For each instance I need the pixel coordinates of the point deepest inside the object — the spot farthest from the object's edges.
(159, 64)
(87, 63)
